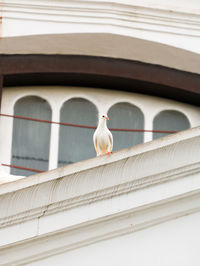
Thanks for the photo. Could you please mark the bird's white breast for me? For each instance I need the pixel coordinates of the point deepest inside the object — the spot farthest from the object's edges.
(102, 138)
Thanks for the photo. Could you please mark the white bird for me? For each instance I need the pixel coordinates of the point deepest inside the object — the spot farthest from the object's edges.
(102, 138)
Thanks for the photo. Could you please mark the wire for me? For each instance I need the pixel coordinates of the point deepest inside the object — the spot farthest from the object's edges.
(84, 126)
(72, 125)
(23, 168)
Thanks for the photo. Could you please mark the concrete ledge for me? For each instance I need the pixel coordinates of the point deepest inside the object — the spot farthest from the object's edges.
(101, 198)
(187, 136)
(103, 177)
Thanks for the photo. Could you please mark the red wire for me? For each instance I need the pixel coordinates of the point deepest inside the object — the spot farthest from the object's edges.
(84, 126)
(23, 168)
(72, 125)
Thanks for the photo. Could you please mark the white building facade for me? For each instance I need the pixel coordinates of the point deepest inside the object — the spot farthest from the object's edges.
(62, 64)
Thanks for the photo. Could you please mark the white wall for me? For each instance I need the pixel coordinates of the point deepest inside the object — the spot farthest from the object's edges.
(174, 23)
(172, 243)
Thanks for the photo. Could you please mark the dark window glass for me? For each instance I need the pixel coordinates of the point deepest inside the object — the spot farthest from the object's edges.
(126, 116)
(30, 141)
(75, 143)
(169, 120)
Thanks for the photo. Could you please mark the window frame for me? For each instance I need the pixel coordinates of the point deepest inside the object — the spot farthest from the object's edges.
(102, 99)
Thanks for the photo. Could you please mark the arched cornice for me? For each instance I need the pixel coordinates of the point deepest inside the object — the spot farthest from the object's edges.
(102, 72)
(103, 45)
(101, 60)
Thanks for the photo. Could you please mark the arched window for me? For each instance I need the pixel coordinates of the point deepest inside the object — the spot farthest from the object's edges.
(126, 116)
(169, 120)
(75, 143)
(30, 141)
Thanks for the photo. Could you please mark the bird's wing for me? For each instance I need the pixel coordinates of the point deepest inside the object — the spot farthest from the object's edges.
(111, 141)
(95, 143)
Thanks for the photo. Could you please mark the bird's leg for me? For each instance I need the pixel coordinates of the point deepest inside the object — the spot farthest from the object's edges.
(99, 153)
(110, 150)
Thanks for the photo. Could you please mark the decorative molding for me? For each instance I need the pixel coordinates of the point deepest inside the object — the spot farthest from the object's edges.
(103, 194)
(150, 22)
(60, 190)
(101, 13)
(102, 198)
(103, 72)
(101, 229)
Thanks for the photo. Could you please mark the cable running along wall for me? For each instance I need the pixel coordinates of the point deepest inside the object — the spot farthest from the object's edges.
(23, 169)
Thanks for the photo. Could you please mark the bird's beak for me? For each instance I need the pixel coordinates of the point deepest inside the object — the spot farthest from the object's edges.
(107, 117)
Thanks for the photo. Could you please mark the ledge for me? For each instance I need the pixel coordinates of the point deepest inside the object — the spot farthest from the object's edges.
(158, 145)
(101, 198)
(99, 178)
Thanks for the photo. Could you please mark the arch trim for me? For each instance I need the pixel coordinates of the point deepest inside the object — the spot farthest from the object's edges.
(100, 72)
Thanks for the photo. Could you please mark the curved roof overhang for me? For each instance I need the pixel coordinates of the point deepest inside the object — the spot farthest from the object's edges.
(101, 60)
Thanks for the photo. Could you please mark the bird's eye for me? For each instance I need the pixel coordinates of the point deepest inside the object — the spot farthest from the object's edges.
(103, 115)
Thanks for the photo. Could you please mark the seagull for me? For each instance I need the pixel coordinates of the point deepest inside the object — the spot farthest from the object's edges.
(102, 138)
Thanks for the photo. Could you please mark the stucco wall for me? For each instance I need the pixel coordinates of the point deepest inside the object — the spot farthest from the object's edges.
(169, 244)
(174, 23)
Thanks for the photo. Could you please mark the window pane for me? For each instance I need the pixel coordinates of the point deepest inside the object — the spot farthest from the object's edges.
(76, 144)
(170, 121)
(30, 142)
(126, 116)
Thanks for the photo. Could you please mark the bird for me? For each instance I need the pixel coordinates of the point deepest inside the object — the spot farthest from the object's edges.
(102, 138)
